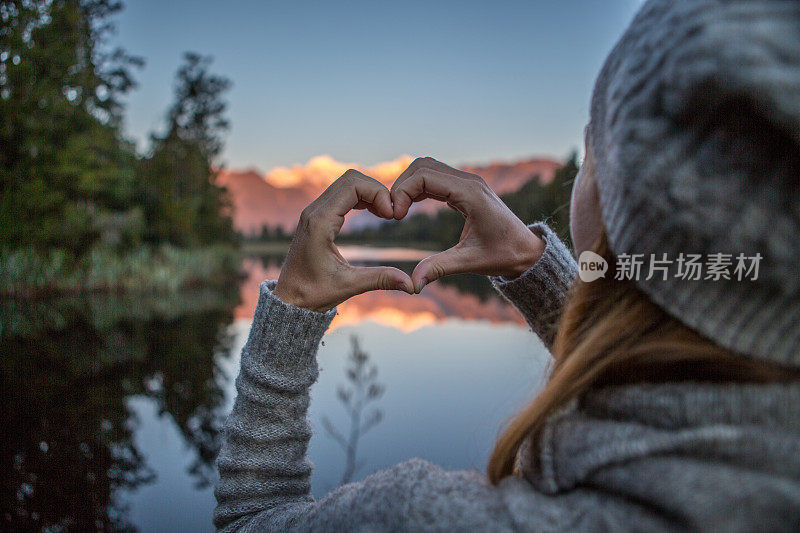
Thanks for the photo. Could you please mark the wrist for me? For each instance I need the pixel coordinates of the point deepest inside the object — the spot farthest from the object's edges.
(528, 253)
(295, 296)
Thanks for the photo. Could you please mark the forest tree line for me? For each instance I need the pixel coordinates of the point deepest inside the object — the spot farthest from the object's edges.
(79, 205)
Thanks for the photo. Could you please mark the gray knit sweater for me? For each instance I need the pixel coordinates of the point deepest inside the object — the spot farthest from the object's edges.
(643, 457)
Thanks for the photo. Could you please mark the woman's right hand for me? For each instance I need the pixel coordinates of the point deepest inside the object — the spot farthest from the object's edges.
(315, 275)
(494, 241)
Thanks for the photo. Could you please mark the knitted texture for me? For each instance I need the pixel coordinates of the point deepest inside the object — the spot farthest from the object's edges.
(263, 457)
(695, 133)
(637, 458)
(539, 292)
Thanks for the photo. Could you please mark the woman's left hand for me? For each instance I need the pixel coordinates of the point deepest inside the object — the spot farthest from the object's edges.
(493, 242)
(315, 275)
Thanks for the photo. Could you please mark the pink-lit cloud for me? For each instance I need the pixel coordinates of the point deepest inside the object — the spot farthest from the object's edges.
(320, 171)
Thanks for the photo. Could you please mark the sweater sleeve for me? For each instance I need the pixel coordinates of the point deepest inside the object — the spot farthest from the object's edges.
(265, 474)
(265, 483)
(541, 291)
(263, 463)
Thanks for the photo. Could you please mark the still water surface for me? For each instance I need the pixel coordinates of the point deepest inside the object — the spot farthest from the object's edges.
(113, 405)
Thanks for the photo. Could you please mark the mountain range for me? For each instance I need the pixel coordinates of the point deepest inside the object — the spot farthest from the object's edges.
(277, 197)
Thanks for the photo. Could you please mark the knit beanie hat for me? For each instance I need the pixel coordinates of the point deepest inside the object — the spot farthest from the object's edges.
(695, 133)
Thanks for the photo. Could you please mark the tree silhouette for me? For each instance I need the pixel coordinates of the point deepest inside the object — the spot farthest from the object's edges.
(67, 370)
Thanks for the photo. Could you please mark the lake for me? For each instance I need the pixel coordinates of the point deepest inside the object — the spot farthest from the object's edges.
(112, 404)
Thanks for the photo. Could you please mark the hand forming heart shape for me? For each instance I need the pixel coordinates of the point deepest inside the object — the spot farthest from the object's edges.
(493, 242)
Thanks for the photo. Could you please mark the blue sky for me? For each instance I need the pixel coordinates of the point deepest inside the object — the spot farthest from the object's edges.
(367, 81)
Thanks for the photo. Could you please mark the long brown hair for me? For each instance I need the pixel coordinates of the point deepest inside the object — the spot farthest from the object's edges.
(610, 333)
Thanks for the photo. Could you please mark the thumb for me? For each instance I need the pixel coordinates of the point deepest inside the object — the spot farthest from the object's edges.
(452, 261)
(365, 279)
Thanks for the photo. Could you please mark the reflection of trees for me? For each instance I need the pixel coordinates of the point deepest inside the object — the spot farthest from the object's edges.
(480, 286)
(271, 259)
(466, 283)
(363, 389)
(68, 367)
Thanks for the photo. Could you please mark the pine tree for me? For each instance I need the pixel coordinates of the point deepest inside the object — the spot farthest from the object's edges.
(184, 205)
(63, 165)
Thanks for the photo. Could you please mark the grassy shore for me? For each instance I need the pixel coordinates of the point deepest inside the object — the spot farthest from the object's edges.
(164, 269)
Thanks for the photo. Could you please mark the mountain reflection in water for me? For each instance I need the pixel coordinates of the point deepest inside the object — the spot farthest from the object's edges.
(463, 297)
(112, 404)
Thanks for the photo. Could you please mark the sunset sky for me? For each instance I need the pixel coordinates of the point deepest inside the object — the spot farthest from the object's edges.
(370, 81)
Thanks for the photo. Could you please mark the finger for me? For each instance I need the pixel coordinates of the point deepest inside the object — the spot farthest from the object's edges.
(364, 279)
(429, 183)
(375, 210)
(418, 163)
(354, 189)
(452, 261)
(431, 163)
(426, 196)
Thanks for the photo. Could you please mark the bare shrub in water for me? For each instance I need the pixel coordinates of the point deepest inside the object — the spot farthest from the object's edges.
(363, 389)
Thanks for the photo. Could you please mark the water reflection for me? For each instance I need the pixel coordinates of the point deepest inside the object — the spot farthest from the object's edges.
(112, 405)
(69, 367)
(465, 297)
(456, 361)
